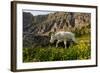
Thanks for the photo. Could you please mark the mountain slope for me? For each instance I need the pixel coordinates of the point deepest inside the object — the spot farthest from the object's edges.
(43, 25)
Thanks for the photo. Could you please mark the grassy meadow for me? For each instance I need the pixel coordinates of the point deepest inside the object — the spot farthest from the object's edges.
(80, 51)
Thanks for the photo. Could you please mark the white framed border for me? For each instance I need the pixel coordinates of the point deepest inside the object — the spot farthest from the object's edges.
(39, 65)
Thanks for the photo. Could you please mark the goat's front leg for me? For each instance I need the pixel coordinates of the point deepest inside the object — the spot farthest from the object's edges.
(57, 43)
(65, 44)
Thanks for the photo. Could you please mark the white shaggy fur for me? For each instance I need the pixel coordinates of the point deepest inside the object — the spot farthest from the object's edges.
(62, 37)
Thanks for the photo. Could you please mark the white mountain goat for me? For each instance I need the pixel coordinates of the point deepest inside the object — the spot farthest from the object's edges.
(62, 37)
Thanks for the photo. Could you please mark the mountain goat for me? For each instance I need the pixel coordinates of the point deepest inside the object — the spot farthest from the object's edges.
(62, 37)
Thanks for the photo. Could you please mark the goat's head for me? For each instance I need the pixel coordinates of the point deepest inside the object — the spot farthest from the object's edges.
(52, 39)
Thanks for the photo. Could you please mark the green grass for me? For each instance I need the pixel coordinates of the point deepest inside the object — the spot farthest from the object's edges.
(81, 51)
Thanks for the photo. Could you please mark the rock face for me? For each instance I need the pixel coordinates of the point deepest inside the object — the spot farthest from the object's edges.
(40, 25)
(27, 21)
